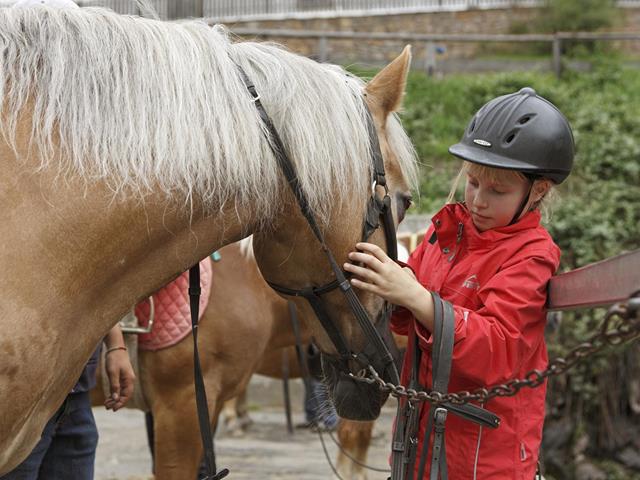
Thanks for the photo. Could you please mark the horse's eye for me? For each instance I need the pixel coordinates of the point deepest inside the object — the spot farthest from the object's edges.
(403, 202)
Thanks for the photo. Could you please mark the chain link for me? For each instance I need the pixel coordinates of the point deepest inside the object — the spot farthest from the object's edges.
(621, 324)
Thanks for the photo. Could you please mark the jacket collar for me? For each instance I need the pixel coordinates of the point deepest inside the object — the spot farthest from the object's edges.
(447, 224)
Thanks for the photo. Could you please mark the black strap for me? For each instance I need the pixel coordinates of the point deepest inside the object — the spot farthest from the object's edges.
(285, 390)
(302, 358)
(444, 337)
(525, 200)
(439, 457)
(442, 371)
(330, 328)
(295, 325)
(201, 395)
(389, 229)
(440, 377)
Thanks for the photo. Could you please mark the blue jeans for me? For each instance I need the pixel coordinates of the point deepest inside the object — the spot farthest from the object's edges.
(317, 407)
(67, 448)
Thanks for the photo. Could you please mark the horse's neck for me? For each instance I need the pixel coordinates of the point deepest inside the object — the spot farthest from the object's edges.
(73, 260)
(90, 250)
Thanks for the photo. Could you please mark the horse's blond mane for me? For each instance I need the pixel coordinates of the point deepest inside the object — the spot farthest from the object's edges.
(150, 105)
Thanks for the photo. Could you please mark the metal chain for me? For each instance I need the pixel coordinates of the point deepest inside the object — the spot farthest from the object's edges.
(621, 324)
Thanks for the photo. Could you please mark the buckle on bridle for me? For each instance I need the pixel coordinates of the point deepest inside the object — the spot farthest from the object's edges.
(378, 183)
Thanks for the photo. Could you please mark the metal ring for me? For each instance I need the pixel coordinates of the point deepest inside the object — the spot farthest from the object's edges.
(374, 184)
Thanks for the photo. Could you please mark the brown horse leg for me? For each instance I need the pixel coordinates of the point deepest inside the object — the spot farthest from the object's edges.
(243, 410)
(230, 416)
(235, 415)
(167, 380)
(355, 438)
(178, 451)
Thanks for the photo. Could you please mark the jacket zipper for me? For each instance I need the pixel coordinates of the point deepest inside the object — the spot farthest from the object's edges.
(458, 240)
(475, 462)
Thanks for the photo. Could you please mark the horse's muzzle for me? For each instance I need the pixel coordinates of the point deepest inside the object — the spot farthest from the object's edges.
(352, 399)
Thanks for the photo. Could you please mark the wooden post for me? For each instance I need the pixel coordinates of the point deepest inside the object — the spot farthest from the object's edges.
(557, 55)
(323, 49)
(430, 58)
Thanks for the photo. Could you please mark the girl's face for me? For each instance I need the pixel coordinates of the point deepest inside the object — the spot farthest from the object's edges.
(494, 199)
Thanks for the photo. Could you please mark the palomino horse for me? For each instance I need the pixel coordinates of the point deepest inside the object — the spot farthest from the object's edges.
(244, 330)
(244, 319)
(131, 149)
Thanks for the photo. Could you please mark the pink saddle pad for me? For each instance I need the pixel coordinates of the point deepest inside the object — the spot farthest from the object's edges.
(172, 321)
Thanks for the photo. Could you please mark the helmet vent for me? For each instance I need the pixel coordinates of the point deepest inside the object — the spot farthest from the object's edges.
(525, 119)
(472, 127)
(510, 136)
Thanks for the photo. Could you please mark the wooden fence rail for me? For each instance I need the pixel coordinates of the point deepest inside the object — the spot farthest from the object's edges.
(598, 284)
(224, 10)
(235, 10)
(555, 40)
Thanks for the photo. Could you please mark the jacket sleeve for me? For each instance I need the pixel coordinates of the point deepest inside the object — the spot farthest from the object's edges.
(492, 343)
(401, 320)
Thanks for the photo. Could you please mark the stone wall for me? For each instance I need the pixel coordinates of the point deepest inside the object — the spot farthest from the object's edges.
(368, 52)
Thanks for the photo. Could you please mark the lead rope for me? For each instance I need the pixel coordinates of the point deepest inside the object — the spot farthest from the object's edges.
(201, 395)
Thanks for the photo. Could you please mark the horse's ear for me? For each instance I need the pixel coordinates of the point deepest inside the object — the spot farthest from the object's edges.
(386, 89)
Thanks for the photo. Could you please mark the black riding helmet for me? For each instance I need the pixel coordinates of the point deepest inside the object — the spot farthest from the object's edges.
(521, 131)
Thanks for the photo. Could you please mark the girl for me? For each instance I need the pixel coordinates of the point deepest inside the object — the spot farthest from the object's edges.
(491, 259)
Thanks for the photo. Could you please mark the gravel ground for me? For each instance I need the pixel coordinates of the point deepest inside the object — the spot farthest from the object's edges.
(265, 451)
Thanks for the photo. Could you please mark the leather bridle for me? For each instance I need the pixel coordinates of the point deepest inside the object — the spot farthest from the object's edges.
(376, 352)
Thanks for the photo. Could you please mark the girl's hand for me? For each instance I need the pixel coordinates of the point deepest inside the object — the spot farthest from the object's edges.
(121, 379)
(379, 274)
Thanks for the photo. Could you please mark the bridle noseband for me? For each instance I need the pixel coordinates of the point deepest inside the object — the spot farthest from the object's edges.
(376, 352)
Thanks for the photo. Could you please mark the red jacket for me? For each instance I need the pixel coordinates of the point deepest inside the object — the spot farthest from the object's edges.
(496, 281)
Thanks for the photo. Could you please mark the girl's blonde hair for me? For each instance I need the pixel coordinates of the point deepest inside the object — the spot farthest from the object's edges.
(502, 175)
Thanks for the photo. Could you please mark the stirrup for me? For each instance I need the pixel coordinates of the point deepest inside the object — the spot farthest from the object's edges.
(218, 476)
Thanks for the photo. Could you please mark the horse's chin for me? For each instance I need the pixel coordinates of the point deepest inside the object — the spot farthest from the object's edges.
(352, 399)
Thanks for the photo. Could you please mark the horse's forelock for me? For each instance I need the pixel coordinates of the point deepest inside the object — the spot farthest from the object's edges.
(146, 104)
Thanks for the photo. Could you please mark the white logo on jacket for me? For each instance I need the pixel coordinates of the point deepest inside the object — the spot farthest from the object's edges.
(471, 282)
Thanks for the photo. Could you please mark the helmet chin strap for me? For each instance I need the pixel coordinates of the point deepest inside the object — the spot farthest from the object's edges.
(530, 179)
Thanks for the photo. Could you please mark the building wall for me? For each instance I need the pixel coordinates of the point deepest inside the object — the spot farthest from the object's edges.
(494, 21)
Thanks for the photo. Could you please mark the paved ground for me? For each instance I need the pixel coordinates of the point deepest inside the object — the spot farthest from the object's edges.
(267, 451)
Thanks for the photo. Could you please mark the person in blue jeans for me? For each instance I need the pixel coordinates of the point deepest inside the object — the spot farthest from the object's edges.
(319, 412)
(67, 448)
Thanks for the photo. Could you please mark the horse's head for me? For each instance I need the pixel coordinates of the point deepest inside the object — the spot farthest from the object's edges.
(290, 256)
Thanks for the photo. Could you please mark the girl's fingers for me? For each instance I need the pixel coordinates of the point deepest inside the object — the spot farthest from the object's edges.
(374, 250)
(365, 258)
(369, 287)
(363, 273)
